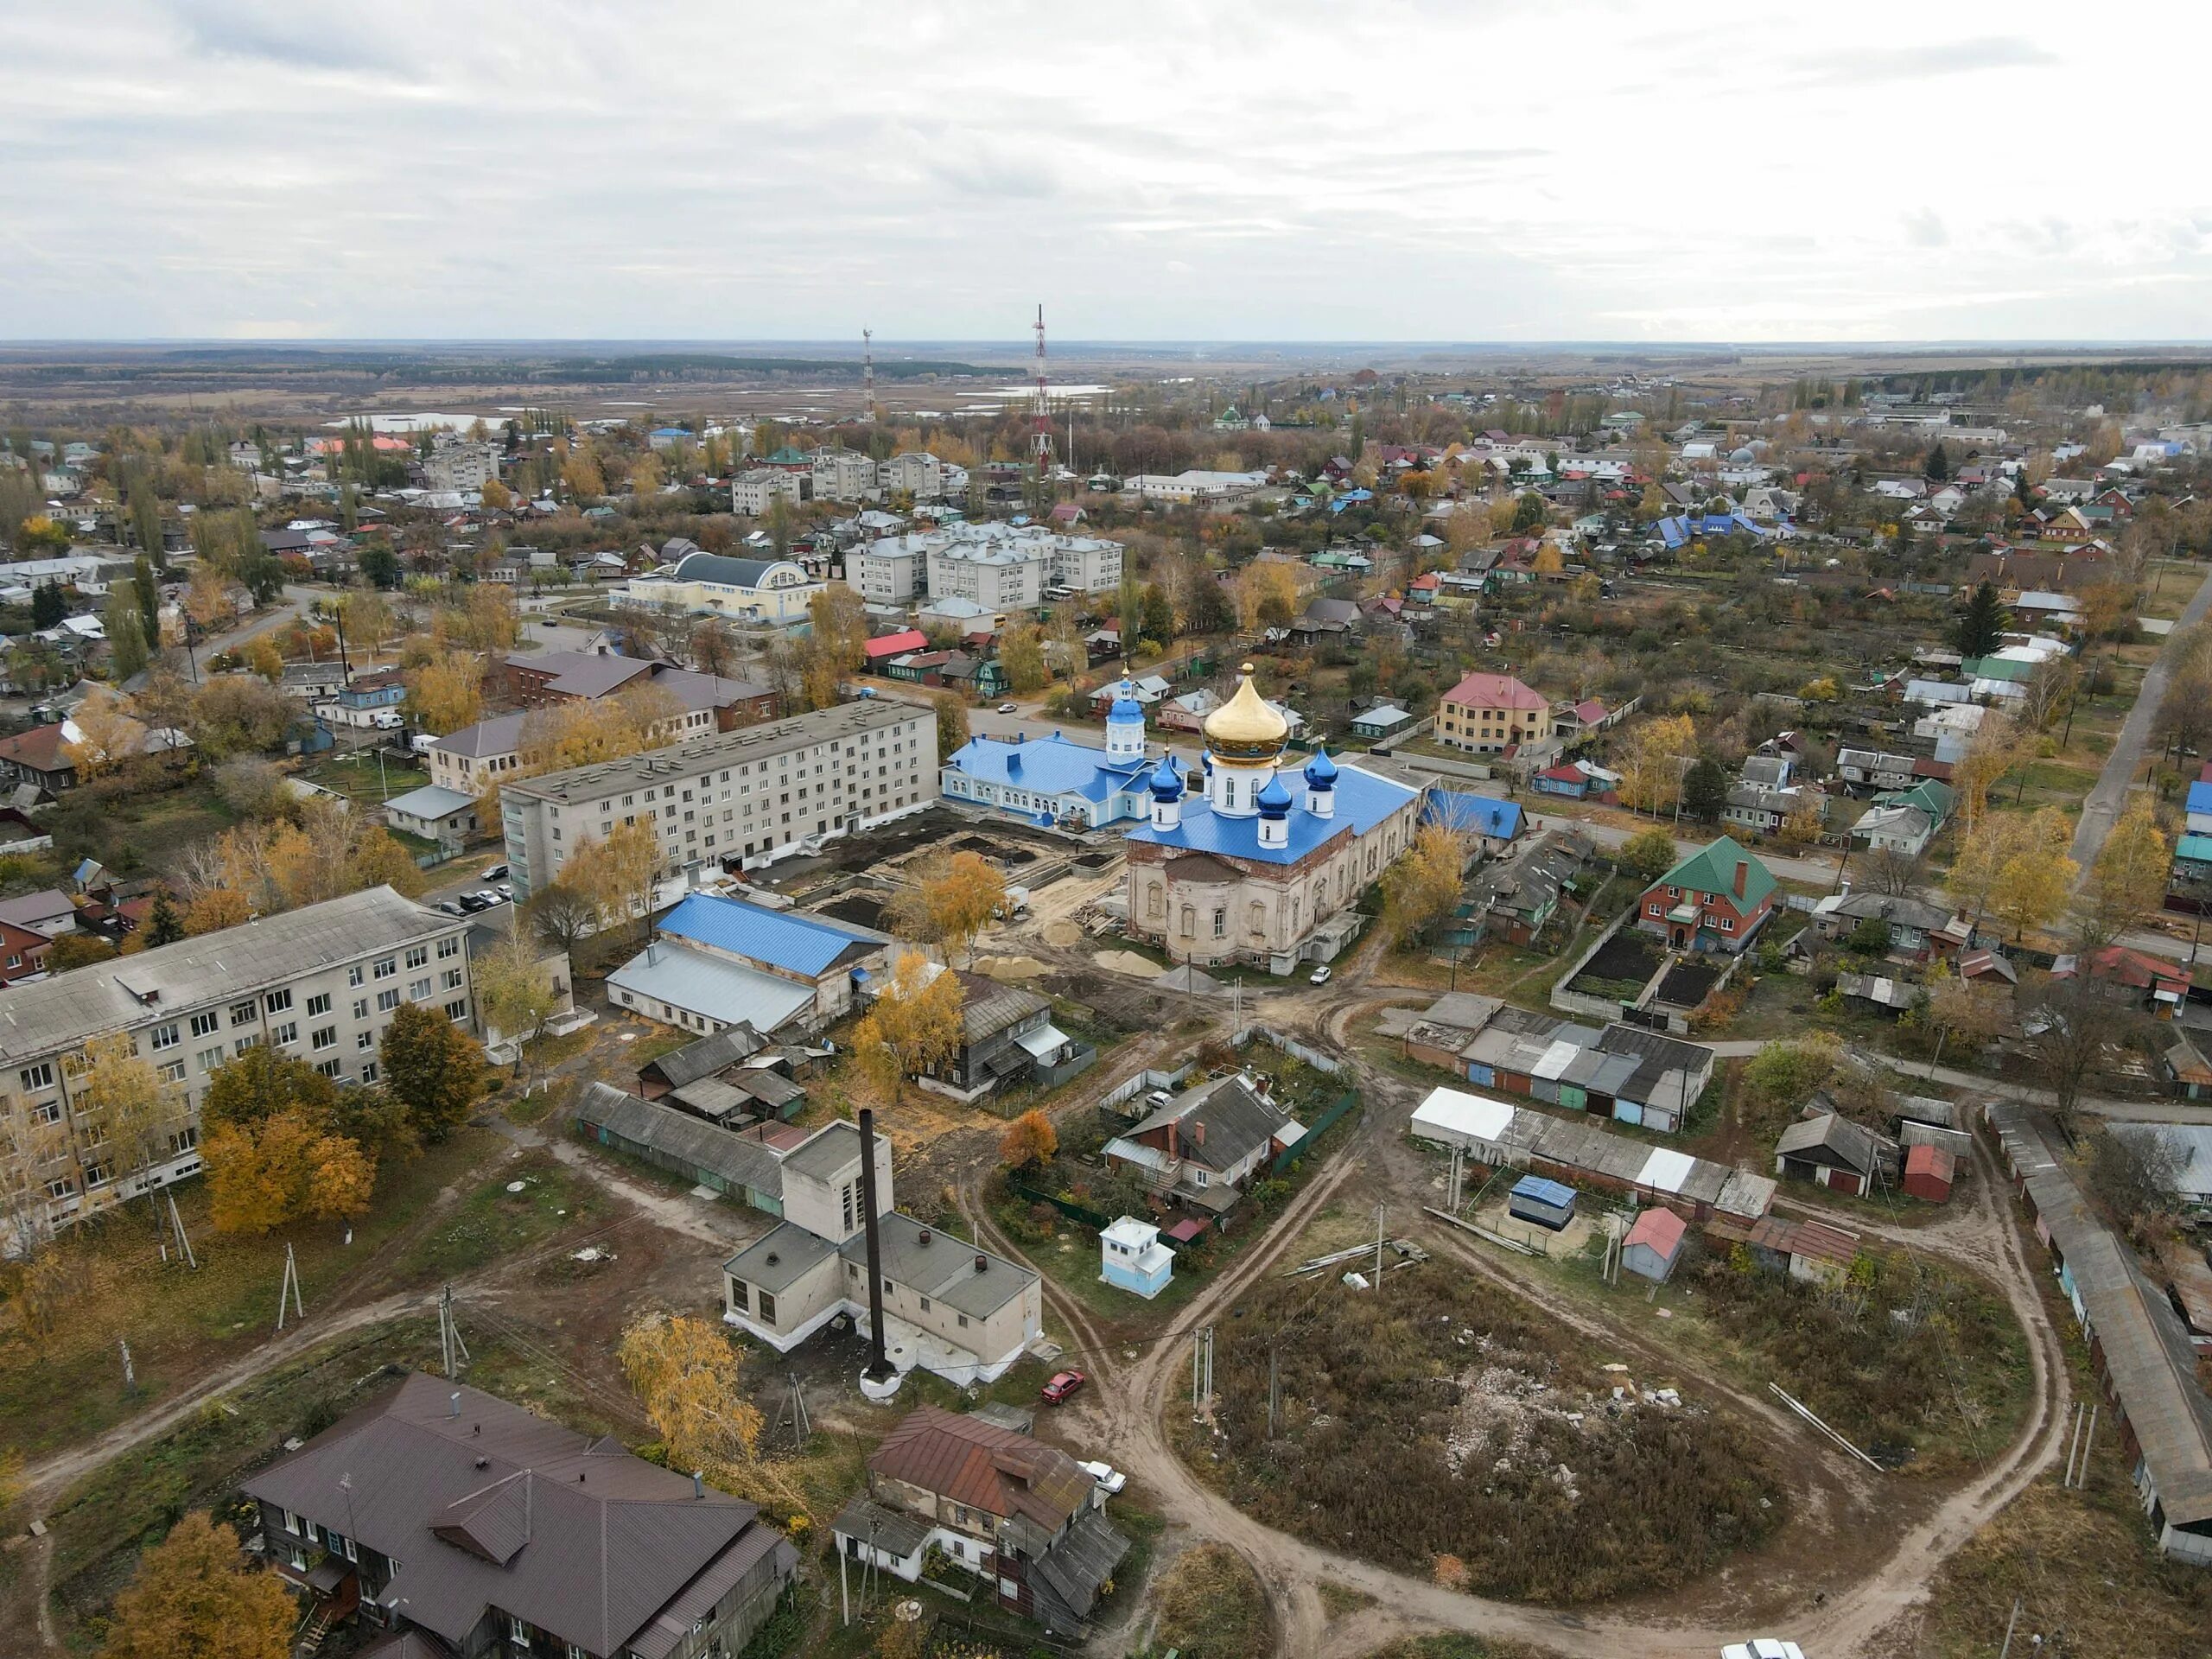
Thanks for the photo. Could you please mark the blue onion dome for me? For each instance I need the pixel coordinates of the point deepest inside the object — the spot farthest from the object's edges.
(1320, 771)
(1126, 706)
(1167, 781)
(1275, 800)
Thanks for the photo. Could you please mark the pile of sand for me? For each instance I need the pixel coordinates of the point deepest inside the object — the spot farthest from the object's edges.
(1062, 933)
(1129, 963)
(1009, 968)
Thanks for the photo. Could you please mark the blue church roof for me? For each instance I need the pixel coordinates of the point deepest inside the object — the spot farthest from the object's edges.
(1320, 769)
(1275, 799)
(1475, 815)
(1125, 706)
(1048, 766)
(1167, 781)
(800, 944)
(1362, 800)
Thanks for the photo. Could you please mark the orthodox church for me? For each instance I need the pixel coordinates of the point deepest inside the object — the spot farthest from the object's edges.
(1054, 780)
(1252, 863)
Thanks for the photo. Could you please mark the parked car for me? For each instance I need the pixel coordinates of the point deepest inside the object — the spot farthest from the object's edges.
(473, 902)
(1110, 1479)
(451, 908)
(1320, 976)
(493, 873)
(490, 896)
(1063, 1384)
(505, 890)
(1008, 709)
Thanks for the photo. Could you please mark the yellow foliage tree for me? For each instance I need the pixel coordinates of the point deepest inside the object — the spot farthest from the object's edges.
(1994, 751)
(262, 1176)
(1021, 654)
(2127, 883)
(1267, 597)
(2032, 882)
(615, 873)
(688, 1377)
(122, 1105)
(446, 694)
(582, 476)
(195, 1596)
(916, 1024)
(214, 909)
(110, 734)
(1422, 888)
(263, 658)
(954, 898)
(1652, 761)
(1030, 1139)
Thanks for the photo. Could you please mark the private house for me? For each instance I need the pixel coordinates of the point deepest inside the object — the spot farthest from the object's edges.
(1906, 821)
(1325, 620)
(49, 912)
(1830, 1150)
(716, 962)
(1490, 713)
(433, 812)
(22, 952)
(708, 703)
(1007, 1033)
(1915, 930)
(1205, 1145)
(2162, 986)
(369, 700)
(38, 757)
(1489, 826)
(439, 1511)
(2188, 1074)
(1381, 722)
(1516, 898)
(1024, 1518)
(467, 760)
(1715, 899)
(1565, 780)
(1132, 1258)
(730, 1078)
(1654, 1245)
(1053, 781)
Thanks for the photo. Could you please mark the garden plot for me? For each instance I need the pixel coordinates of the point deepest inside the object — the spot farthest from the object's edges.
(1435, 1426)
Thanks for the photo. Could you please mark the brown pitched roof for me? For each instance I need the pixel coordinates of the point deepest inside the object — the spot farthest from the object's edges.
(40, 748)
(497, 1506)
(983, 1467)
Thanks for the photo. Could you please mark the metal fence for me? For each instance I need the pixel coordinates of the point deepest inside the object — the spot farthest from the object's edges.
(1087, 1217)
(1289, 1158)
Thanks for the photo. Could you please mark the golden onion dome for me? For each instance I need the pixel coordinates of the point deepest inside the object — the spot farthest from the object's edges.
(1244, 727)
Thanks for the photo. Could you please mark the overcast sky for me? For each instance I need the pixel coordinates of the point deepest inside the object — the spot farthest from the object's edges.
(1206, 170)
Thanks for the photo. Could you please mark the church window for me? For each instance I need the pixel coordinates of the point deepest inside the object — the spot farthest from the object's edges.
(1221, 921)
(1259, 912)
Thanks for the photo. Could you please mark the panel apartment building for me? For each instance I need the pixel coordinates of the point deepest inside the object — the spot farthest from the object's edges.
(741, 795)
(321, 983)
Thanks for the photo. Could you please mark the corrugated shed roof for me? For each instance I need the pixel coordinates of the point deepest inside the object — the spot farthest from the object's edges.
(737, 1160)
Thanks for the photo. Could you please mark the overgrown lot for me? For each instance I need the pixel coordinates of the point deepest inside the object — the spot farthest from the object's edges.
(1436, 1429)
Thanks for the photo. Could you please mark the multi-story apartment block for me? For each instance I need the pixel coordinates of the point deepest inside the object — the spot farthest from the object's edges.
(462, 466)
(736, 796)
(321, 983)
(1014, 566)
(843, 475)
(752, 492)
(888, 571)
(920, 475)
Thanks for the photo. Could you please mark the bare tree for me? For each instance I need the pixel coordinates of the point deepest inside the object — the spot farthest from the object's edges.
(2073, 1023)
(1887, 871)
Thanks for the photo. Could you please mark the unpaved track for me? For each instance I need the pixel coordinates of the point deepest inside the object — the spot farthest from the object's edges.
(1124, 1414)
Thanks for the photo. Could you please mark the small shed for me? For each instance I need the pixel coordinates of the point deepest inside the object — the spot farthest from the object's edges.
(1929, 1172)
(1549, 1203)
(1653, 1243)
(1131, 1257)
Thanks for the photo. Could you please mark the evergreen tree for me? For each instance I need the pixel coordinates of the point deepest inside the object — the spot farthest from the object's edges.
(1939, 463)
(1982, 623)
(163, 925)
(1705, 789)
(46, 606)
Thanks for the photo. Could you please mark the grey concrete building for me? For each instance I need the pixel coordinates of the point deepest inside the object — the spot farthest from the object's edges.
(742, 796)
(321, 983)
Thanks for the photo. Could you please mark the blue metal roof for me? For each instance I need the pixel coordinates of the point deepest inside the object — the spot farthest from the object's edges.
(1363, 800)
(2200, 797)
(1535, 1187)
(1479, 814)
(1048, 766)
(799, 944)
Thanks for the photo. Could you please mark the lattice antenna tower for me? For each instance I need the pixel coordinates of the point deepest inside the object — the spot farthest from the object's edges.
(1040, 416)
(868, 369)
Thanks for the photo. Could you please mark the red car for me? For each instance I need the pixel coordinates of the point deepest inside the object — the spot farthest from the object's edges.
(1063, 1385)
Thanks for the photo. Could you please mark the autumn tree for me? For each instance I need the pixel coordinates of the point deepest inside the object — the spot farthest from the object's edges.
(951, 722)
(195, 1596)
(1030, 1139)
(1965, 1011)
(256, 1085)
(1021, 654)
(1267, 596)
(1422, 888)
(284, 1168)
(109, 734)
(2078, 1019)
(122, 1104)
(1801, 824)
(2128, 882)
(954, 899)
(1654, 758)
(446, 694)
(263, 658)
(616, 873)
(2033, 876)
(238, 714)
(689, 1379)
(515, 994)
(914, 1025)
(1646, 855)
(77, 949)
(561, 915)
(432, 1067)
(1995, 749)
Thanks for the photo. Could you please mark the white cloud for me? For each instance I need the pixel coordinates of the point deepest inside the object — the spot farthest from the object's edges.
(1408, 170)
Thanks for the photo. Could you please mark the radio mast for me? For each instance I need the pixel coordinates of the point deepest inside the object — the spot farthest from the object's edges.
(1040, 416)
(867, 370)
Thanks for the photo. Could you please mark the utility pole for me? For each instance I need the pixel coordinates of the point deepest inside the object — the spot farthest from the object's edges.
(1378, 1246)
(290, 1288)
(1274, 1386)
(130, 1376)
(2089, 1438)
(456, 1350)
(2004, 1650)
(184, 1239)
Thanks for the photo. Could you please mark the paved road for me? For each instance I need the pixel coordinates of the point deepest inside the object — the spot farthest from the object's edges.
(2102, 806)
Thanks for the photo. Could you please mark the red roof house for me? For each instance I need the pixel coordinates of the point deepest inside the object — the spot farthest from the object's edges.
(1929, 1172)
(893, 644)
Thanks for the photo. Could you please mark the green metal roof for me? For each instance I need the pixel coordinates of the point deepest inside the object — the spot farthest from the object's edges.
(1712, 869)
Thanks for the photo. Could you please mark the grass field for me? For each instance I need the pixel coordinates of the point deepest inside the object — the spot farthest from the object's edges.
(66, 1386)
(359, 777)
